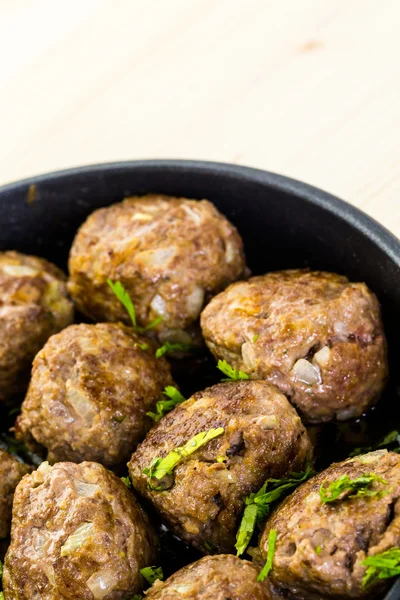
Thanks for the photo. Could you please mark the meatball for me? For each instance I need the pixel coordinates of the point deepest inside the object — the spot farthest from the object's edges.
(33, 306)
(203, 499)
(212, 578)
(77, 532)
(316, 336)
(320, 547)
(90, 390)
(171, 255)
(11, 473)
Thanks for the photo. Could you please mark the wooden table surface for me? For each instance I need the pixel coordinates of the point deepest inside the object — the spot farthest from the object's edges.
(307, 88)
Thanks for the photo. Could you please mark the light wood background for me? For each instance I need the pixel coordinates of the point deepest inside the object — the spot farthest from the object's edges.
(307, 88)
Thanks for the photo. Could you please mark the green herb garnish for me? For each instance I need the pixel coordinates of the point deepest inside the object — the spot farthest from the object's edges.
(351, 487)
(393, 437)
(127, 303)
(126, 481)
(160, 467)
(258, 505)
(151, 574)
(1, 596)
(119, 418)
(271, 551)
(230, 372)
(255, 338)
(164, 406)
(169, 347)
(381, 566)
(318, 549)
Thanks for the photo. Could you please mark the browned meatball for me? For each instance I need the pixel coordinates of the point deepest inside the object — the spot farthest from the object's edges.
(77, 532)
(320, 547)
(171, 254)
(219, 577)
(11, 473)
(315, 335)
(90, 390)
(203, 500)
(33, 306)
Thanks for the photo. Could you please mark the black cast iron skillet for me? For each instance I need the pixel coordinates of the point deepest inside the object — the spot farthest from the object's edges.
(284, 223)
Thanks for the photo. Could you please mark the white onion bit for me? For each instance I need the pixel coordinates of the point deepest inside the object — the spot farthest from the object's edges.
(159, 305)
(323, 356)
(194, 301)
(306, 372)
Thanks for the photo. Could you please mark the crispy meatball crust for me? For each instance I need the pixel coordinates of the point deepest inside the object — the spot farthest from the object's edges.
(315, 335)
(33, 306)
(212, 578)
(171, 254)
(11, 473)
(320, 547)
(263, 437)
(90, 390)
(49, 507)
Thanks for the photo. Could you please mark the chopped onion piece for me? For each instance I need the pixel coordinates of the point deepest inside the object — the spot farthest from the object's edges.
(306, 372)
(77, 539)
(268, 422)
(323, 356)
(159, 305)
(230, 252)
(86, 489)
(341, 329)
(194, 301)
(192, 214)
(20, 271)
(142, 217)
(102, 583)
(156, 258)
(248, 356)
(80, 403)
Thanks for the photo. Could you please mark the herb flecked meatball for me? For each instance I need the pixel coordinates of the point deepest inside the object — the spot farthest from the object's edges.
(258, 435)
(90, 390)
(77, 532)
(321, 545)
(220, 577)
(11, 473)
(171, 255)
(33, 306)
(315, 335)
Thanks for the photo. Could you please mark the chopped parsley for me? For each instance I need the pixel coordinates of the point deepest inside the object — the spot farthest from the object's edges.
(1, 596)
(271, 551)
(390, 439)
(126, 301)
(164, 406)
(169, 347)
(151, 574)
(230, 372)
(161, 467)
(350, 488)
(255, 338)
(318, 549)
(119, 418)
(126, 481)
(258, 504)
(381, 566)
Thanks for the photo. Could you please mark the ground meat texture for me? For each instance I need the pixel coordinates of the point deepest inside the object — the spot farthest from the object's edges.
(315, 335)
(77, 532)
(219, 577)
(90, 390)
(171, 254)
(11, 473)
(320, 547)
(33, 306)
(204, 498)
